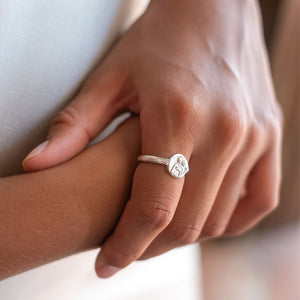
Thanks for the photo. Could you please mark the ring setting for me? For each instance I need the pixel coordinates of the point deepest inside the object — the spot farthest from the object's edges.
(177, 165)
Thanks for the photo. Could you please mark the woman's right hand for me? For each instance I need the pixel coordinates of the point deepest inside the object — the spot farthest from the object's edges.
(196, 71)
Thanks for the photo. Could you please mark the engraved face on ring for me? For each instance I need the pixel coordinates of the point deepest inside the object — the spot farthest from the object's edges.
(178, 166)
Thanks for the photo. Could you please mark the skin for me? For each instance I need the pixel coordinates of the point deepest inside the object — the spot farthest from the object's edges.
(197, 73)
(68, 209)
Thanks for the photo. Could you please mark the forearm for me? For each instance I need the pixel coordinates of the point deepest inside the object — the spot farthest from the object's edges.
(54, 213)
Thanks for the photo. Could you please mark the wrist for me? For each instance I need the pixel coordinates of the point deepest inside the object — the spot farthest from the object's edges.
(206, 16)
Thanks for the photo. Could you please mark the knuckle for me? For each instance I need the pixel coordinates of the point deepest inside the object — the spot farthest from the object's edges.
(213, 229)
(68, 116)
(232, 125)
(155, 215)
(275, 129)
(272, 124)
(268, 204)
(185, 235)
(183, 110)
(255, 136)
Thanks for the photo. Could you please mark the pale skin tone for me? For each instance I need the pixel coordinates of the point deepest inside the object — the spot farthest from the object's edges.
(197, 73)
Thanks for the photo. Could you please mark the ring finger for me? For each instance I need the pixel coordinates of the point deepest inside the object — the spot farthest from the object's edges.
(195, 203)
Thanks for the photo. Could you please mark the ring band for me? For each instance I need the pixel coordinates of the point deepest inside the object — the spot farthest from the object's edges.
(177, 165)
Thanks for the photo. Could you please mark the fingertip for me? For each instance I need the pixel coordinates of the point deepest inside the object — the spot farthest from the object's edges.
(58, 149)
(27, 162)
(103, 269)
(37, 150)
(106, 271)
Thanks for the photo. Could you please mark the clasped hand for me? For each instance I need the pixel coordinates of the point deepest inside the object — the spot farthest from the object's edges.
(197, 75)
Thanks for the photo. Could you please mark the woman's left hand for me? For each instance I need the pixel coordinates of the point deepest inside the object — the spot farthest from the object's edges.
(197, 74)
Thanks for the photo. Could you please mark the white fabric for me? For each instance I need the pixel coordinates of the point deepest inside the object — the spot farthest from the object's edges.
(46, 50)
(171, 276)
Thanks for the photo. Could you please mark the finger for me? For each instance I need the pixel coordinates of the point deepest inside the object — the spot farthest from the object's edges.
(77, 123)
(233, 186)
(197, 198)
(262, 194)
(154, 198)
(208, 168)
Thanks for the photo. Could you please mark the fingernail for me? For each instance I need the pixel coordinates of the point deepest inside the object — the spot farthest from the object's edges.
(106, 271)
(37, 150)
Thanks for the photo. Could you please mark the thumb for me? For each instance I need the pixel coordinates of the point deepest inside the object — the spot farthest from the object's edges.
(74, 126)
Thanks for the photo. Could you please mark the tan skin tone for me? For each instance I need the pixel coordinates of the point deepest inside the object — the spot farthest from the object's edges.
(197, 73)
(67, 209)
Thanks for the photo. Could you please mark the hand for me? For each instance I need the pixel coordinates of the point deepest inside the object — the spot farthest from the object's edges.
(197, 74)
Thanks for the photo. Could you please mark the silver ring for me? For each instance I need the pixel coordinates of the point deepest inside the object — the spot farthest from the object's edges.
(177, 165)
